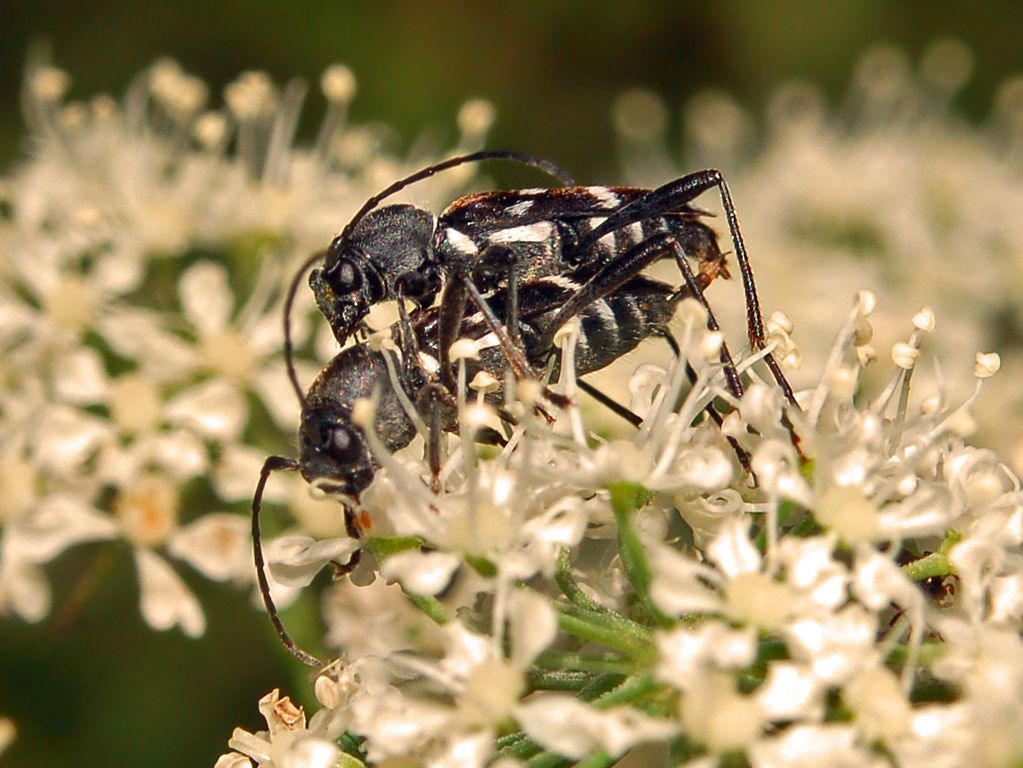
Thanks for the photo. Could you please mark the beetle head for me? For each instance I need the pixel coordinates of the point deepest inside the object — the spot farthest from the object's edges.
(333, 452)
(388, 251)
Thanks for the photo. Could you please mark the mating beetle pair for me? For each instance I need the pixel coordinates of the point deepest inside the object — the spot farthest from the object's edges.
(518, 264)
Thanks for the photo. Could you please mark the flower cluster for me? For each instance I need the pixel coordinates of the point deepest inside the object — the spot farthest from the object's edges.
(143, 253)
(890, 190)
(833, 584)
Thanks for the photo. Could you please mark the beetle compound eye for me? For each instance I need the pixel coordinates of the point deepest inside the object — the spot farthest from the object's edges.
(346, 276)
(343, 445)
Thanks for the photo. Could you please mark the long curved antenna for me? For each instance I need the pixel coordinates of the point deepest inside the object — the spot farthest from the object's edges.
(474, 157)
(289, 302)
(271, 465)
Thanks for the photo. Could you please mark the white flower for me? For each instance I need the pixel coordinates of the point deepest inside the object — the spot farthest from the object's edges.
(8, 733)
(166, 601)
(813, 746)
(287, 743)
(569, 727)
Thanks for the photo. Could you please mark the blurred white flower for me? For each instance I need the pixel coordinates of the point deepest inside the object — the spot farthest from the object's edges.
(287, 743)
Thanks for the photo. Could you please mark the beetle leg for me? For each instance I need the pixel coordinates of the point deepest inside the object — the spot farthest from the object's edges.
(673, 197)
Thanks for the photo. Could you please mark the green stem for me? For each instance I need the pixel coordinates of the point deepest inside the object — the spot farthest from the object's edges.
(591, 628)
(625, 500)
(569, 660)
(565, 580)
(934, 564)
(771, 649)
(629, 692)
(383, 547)
(518, 745)
(557, 680)
(807, 526)
(926, 656)
(609, 619)
(428, 605)
(599, 759)
(600, 687)
(547, 760)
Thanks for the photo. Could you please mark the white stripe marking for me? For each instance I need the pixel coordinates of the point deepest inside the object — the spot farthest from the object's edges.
(606, 197)
(461, 242)
(539, 232)
(520, 208)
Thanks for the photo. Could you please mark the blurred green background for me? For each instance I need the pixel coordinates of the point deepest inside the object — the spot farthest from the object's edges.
(93, 686)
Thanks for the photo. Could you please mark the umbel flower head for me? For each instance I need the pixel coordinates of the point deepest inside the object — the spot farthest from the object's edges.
(854, 597)
(888, 189)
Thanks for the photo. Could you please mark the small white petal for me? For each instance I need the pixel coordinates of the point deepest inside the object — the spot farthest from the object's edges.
(206, 296)
(272, 385)
(468, 751)
(295, 560)
(234, 477)
(60, 521)
(813, 746)
(879, 581)
(217, 545)
(533, 625)
(1006, 597)
(140, 335)
(83, 379)
(678, 585)
(422, 573)
(791, 692)
(835, 646)
(777, 469)
(684, 655)
(232, 760)
(165, 600)
(310, 752)
(732, 550)
(880, 707)
(215, 409)
(66, 437)
(566, 725)
(179, 452)
(24, 590)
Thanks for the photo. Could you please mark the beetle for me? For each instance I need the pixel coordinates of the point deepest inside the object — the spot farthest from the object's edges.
(406, 253)
(333, 450)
